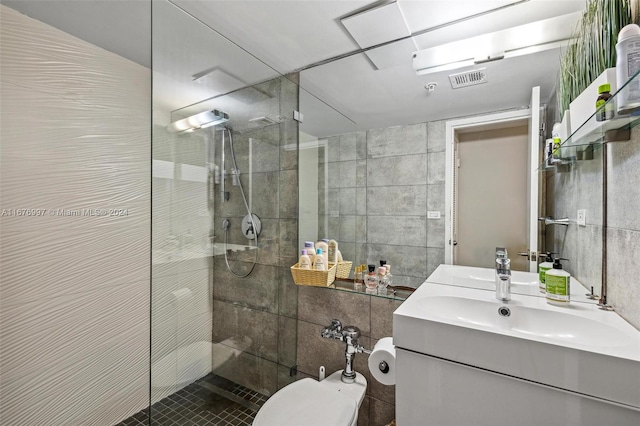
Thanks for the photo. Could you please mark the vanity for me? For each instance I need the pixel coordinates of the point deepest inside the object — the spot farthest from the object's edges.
(466, 358)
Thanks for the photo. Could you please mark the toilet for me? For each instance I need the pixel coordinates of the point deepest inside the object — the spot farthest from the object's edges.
(308, 402)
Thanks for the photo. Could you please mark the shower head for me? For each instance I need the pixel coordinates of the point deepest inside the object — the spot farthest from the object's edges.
(199, 121)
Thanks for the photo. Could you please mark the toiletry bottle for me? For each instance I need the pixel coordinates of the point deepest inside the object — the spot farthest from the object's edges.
(604, 110)
(305, 261)
(627, 64)
(371, 280)
(383, 282)
(543, 268)
(332, 251)
(311, 250)
(548, 152)
(558, 282)
(556, 148)
(325, 250)
(340, 259)
(320, 264)
(389, 276)
(358, 278)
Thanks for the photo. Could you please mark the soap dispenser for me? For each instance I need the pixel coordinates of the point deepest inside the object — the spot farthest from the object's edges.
(558, 283)
(543, 268)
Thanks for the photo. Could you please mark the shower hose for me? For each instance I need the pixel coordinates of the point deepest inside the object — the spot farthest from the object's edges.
(226, 223)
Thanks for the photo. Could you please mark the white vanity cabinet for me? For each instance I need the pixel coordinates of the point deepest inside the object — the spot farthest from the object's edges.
(465, 358)
(433, 391)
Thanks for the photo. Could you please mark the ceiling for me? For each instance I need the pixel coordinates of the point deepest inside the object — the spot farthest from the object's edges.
(203, 49)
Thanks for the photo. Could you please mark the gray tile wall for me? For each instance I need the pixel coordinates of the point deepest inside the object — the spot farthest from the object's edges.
(623, 233)
(380, 185)
(582, 188)
(578, 187)
(259, 312)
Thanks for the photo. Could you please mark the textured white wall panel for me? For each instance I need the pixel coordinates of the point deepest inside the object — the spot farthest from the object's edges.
(74, 308)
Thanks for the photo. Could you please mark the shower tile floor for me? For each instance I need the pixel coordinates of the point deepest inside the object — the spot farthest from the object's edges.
(211, 400)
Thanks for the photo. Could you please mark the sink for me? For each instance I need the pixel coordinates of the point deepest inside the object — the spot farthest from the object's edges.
(541, 324)
(483, 278)
(578, 348)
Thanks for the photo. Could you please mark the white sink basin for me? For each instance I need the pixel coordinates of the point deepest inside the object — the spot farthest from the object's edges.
(579, 347)
(483, 278)
(541, 324)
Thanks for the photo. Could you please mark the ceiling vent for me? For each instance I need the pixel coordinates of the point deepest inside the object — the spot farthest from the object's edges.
(468, 78)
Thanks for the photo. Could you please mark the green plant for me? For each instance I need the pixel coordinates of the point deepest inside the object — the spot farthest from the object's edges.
(594, 49)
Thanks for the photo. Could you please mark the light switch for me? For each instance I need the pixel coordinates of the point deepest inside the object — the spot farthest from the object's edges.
(582, 217)
(433, 215)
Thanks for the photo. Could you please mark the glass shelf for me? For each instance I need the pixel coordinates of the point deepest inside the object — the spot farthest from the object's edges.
(593, 134)
(395, 293)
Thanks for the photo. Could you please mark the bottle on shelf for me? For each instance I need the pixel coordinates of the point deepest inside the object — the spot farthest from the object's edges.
(311, 250)
(358, 278)
(320, 264)
(332, 252)
(383, 281)
(604, 110)
(389, 276)
(371, 280)
(322, 244)
(305, 260)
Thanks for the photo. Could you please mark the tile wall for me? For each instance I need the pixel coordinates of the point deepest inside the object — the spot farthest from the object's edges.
(582, 188)
(379, 186)
(74, 310)
(623, 233)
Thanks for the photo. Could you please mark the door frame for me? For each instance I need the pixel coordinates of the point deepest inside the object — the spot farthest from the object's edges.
(450, 128)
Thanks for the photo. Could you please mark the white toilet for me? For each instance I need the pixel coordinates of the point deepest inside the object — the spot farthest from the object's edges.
(308, 402)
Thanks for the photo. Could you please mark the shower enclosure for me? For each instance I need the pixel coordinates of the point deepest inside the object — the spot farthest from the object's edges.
(223, 305)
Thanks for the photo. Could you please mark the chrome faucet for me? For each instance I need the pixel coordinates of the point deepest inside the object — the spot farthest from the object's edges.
(503, 275)
(350, 336)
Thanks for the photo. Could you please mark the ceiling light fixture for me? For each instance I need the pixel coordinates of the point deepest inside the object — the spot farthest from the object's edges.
(199, 121)
(423, 66)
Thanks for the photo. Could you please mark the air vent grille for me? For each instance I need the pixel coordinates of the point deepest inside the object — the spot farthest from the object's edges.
(468, 78)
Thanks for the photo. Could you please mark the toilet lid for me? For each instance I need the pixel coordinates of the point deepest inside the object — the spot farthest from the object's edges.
(306, 403)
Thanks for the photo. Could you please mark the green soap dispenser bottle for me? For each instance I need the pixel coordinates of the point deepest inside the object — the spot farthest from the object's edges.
(543, 268)
(558, 284)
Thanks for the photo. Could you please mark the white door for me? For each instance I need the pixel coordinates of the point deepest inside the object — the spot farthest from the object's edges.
(527, 194)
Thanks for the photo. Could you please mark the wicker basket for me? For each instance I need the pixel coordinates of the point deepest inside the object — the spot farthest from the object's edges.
(344, 269)
(312, 277)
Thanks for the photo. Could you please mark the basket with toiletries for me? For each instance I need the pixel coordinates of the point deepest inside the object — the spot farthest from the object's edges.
(314, 277)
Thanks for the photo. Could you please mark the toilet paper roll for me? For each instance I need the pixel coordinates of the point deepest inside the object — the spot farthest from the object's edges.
(182, 295)
(382, 361)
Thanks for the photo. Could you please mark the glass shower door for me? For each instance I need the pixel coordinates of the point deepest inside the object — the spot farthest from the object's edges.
(220, 344)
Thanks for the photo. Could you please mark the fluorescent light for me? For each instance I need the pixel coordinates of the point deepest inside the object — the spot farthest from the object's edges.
(198, 121)
(445, 67)
(495, 56)
(538, 48)
(516, 41)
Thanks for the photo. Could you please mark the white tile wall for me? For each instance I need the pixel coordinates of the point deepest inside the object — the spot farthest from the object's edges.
(74, 307)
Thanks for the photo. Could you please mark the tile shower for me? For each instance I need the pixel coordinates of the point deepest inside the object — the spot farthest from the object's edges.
(205, 321)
